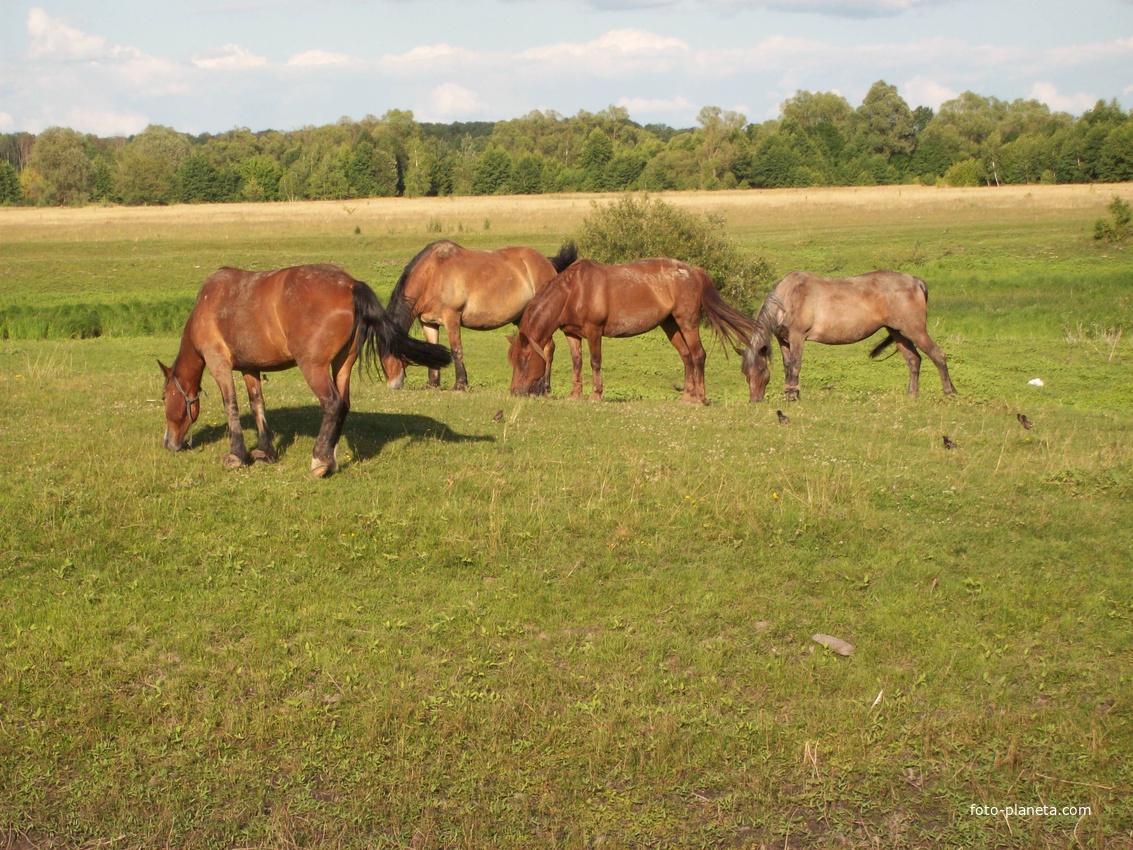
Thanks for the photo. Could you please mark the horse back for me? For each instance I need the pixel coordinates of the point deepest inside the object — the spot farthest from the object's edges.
(631, 298)
(270, 319)
(837, 310)
(487, 288)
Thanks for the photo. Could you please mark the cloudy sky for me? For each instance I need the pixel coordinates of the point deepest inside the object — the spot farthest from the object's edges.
(112, 68)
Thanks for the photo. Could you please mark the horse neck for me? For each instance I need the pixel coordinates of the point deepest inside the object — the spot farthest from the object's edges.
(544, 315)
(189, 366)
(400, 306)
(767, 320)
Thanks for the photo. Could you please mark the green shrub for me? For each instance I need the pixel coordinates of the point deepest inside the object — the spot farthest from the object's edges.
(964, 173)
(1117, 227)
(631, 229)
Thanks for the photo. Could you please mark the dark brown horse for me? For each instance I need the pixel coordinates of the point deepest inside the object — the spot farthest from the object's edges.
(591, 300)
(803, 306)
(446, 284)
(318, 318)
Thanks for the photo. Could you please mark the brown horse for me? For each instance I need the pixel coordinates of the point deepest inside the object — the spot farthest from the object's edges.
(591, 300)
(803, 306)
(318, 318)
(446, 284)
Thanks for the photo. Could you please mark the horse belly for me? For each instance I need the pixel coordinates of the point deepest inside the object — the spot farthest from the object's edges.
(634, 316)
(631, 323)
(489, 310)
(258, 350)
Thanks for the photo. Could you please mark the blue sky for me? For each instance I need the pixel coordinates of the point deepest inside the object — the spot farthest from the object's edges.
(211, 65)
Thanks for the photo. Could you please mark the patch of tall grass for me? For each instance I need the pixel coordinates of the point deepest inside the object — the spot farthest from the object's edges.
(90, 321)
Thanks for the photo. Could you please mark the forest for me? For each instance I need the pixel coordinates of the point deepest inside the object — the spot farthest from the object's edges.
(819, 139)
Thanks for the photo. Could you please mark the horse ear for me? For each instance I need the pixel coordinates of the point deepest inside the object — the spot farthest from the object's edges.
(511, 338)
(165, 370)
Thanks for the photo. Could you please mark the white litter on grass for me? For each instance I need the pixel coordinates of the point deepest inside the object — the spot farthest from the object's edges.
(836, 644)
(1035, 382)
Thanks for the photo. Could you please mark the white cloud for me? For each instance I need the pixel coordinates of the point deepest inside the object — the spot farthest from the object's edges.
(6, 122)
(230, 57)
(616, 53)
(320, 59)
(647, 106)
(436, 59)
(1096, 53)
(921, 91)
(836, 8)
(147, 74)
(1076, 103)
(451, 101)
(52, 38)
(106, 122)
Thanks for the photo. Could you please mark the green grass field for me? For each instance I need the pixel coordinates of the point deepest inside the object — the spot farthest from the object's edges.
(581, 625)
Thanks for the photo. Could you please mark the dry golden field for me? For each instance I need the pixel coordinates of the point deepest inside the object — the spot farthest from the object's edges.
(744, 210)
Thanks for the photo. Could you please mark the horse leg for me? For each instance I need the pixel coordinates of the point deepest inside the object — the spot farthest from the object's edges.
(594, 343)
(433, 335)
(341, 368)
(924, 342)
(335, 407)
(543, 386)
(265, 448)
(452, 330)
(909, 352)
(238, 453)
(692, 354)
(576, 366)
(792, 352)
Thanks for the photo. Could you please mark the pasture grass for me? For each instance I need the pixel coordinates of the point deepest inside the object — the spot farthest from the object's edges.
(583, 625)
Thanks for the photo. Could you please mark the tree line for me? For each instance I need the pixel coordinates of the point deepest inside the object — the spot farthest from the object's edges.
(819, 139)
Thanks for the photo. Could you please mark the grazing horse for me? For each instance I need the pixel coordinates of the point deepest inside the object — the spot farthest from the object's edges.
(591, 300)
(446, 284)
(318, 318)
(804, 306)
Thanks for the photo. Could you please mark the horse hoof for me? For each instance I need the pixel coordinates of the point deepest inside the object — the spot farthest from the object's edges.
(321, 468)
(233, 461)
(260, 456)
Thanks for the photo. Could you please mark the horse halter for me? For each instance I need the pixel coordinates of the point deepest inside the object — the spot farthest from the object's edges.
(189, 402)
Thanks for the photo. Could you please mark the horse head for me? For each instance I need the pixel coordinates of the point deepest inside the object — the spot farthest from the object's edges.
(394, 367)
(756, 368)
(529, 364)
(181, 408)
(756, 363)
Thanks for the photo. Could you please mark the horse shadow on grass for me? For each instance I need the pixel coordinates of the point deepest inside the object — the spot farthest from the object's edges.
(366, 432)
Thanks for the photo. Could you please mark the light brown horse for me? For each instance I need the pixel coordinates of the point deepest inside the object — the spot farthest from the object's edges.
(591, 300)
(451, 286)
(804, 306)
(318, 318)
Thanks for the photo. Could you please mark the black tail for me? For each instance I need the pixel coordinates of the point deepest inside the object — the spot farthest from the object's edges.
(881, 346)
(379, 335)
(566, 256)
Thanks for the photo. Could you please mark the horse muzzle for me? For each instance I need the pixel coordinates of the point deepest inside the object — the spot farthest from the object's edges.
(171, 444)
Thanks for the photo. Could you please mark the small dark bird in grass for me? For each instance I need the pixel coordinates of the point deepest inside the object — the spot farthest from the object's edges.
(1024, 421)
(498, 416)
(949, 443)
(784, 419)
